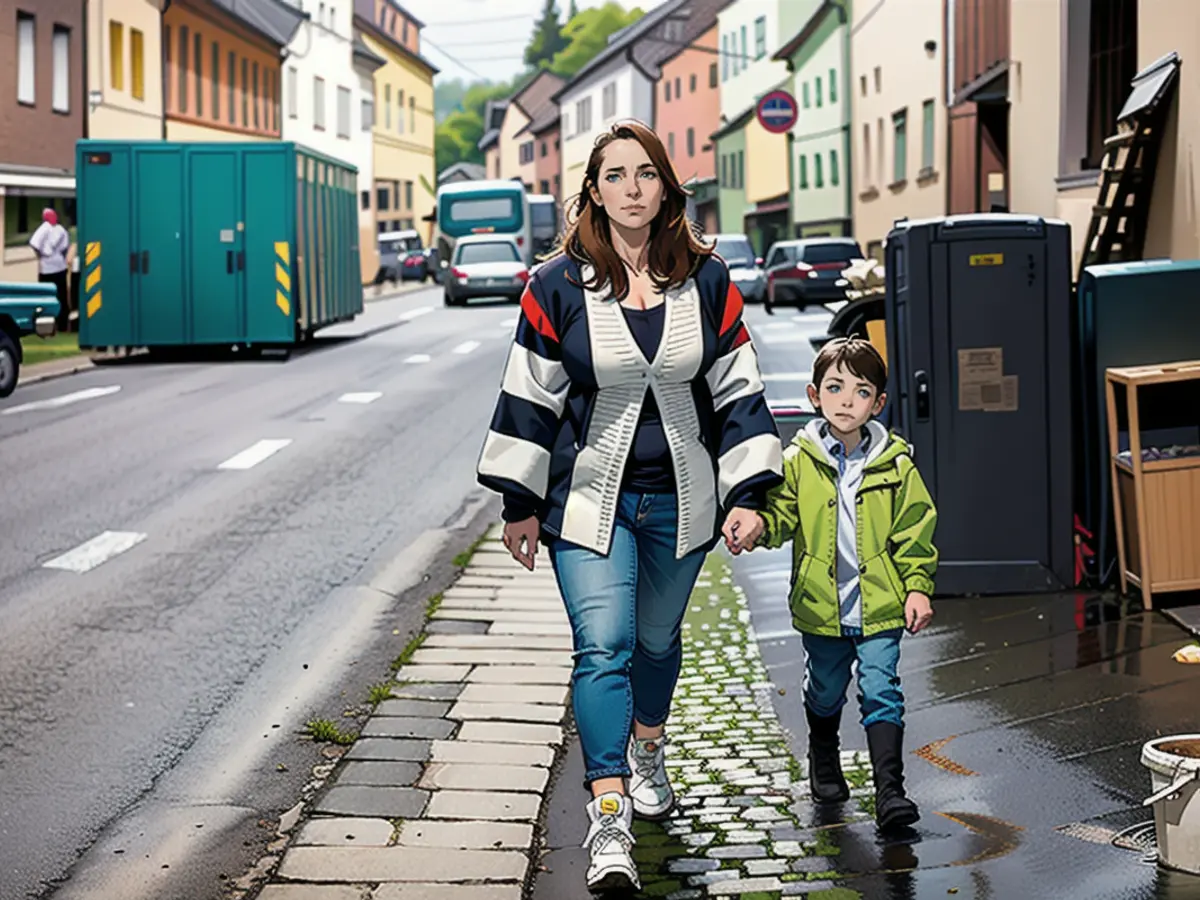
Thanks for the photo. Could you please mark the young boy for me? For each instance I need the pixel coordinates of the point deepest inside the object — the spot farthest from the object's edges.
(861, 524)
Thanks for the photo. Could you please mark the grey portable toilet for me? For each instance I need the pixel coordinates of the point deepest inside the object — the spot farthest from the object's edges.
(979, 351)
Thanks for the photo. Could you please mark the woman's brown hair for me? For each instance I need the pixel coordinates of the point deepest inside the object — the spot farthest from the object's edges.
(675, 251)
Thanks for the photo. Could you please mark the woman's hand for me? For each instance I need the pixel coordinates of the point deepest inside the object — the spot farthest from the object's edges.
(918, 611)
(742, 529)
(521, 539)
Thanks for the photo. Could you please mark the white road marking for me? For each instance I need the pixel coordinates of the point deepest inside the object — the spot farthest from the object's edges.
(64, 400)
(510, 323)
(364, 397)
(98, 550)
(466, 347)
(774, 325)
(252, 456)
(418, 358)
(788, 376)
(411, 314)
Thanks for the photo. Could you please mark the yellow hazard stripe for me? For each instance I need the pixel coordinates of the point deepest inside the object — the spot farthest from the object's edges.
(93, 305)
(283, 303)
(283, 251)
(93, 252)
(283, 277)
(92, 281)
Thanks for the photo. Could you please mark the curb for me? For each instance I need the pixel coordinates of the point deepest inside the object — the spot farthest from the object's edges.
(34, 374)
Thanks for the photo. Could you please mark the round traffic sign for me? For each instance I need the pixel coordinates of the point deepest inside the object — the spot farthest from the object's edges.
(777, 111)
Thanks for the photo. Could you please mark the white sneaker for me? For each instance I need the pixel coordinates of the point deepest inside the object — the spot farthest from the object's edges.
(610, 840)
(649, 785)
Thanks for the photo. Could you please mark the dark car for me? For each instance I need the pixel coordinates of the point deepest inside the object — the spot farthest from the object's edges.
(805, 272)
(414, 266)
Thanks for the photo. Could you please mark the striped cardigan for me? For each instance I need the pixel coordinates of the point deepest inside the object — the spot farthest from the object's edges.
(572, 393)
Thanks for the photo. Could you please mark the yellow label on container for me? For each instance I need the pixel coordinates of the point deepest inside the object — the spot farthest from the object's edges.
(987, 259)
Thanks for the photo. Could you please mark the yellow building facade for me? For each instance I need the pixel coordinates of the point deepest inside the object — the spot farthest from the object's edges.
(124, 70)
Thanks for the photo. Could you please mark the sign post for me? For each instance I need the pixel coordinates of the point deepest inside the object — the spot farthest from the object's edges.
(777, 111)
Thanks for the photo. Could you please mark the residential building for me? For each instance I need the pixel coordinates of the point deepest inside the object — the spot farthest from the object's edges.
(42, 84)
(533, 101)
(462, 171)
(547, 168)
(221, 61)
(620, 81)
(366, 64)
(751, 31)
(405, 170)
(512, 159)
(730, 143)
(125, 69)
(819, 59)
(687, 112)
(897, 81)
(489, 144)
(977, 72)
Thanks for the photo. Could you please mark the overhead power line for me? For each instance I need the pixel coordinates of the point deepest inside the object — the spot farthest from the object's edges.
(462, 23)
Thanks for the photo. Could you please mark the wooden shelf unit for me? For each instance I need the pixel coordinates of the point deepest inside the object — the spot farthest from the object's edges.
(1156, 502)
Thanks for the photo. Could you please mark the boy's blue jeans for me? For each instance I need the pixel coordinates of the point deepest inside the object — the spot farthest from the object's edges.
(625, 610)
(827, 674)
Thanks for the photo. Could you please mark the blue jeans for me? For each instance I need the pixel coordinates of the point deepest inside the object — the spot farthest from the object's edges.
(625, 610)
(827, 674)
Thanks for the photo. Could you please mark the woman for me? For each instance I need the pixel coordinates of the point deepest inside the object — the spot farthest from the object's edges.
(51, 243)
(631, 415)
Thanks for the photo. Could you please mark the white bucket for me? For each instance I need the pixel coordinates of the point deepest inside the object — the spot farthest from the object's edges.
(1175, 780)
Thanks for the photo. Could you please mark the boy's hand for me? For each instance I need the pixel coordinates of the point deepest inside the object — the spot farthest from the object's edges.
(742, 529)
(918, 611)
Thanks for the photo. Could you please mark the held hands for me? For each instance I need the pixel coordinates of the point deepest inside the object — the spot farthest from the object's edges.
(918, 612)
(521, 539)
(742, 529)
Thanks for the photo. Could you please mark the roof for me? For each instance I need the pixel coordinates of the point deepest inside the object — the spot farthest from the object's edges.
(546, 120)
(493, 118)
(273, 19)
(788, 50)
(735, 124)
(474, 171)
(365, 53)
(488, 184)
(367, 25)
(535, 98)
(625, 40)
(410, 16)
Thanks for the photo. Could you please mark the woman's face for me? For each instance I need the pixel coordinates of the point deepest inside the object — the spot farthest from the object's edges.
(629, 189)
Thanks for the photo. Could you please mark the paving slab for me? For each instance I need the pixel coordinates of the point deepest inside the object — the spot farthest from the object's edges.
(433, 690)
(476, 777)
(420, 864)
(448, 892)
(407, 727)
(519, 674)
(455, 626)
(510, 712)
(488, 805)
(466, 835)
(514, 693)
(500, 641)
(367, 800)
(345, 831)
(310, 892)
(386, 774)
(390, 749)
(492, 656)
(543, 629)
(477, 612)
(510, 733)
(744, 886)
(514, 604)
(431, 708)
(480, 753)
(433, 673)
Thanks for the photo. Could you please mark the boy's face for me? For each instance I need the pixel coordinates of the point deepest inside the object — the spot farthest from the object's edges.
(846, 401)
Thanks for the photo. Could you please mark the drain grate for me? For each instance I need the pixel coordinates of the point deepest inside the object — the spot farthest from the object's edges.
(1093, 834)
(1139, 838)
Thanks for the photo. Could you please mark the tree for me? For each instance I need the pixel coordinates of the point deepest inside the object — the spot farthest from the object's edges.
(573, 11)
(547, 38)
(587, 34)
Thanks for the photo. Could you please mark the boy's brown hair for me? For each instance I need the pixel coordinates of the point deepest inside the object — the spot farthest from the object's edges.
(859, 357)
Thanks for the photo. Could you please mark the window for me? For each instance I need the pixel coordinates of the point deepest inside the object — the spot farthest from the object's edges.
(404, 34)
(712, 75)
(526, 152)
(254, 89)
(545, 150)
(678, 92)
(691, 141)
(293, 92)
(900, 157)
(760, 37)
(818, 92)
(365, 199)
(382, 195)
(182, 63)
(368, 113)
(387, 106)
(818, 170)
(245, 93)
(216, 77)
(724, 171)
(866, 155)
(116, 56)
(1112, 63)
(544, 186)
(927, 136)
(743, 57)
(724, 57)
(198, 43)
(807, 101)
(583, 115)
(803, 172)
(400, 112)
(833, 168)
(408, 191)
(166, 63)
(231, 73)
(862, 83)
(412, 114)
(343, 95)
(609, 99)
(318, 103)
(26, 67)
(692, 83)
(878, 79)
(741, 168)
(833, 86)
(671, 145)
(666, 91)
(60, 48)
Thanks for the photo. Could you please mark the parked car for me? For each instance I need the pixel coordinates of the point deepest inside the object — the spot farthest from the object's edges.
(432, 267)
(394, 248)
(745, 269)
(414, 265)
(484, 265)
(804, 272)
(24, 309)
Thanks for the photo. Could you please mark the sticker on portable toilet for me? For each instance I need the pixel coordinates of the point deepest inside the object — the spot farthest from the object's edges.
(987, 259)
(226, 235)
(979, 367)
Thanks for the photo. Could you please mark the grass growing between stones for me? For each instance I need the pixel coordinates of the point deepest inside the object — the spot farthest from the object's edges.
(463, 559)
(378, 693)
(326, 731)
(406, 654)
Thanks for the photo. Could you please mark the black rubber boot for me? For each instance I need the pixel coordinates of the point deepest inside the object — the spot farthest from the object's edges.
(825, 778)
(893, 809)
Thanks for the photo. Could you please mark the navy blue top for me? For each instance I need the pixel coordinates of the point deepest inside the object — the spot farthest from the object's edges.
(649, 469)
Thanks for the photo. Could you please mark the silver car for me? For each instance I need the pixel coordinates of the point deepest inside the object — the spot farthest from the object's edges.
(745, 269)
(484, 265)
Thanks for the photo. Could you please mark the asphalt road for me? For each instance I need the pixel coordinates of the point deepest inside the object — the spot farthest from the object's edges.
(167, 624)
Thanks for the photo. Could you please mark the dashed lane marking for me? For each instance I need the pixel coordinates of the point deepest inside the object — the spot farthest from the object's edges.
(418, 358)
(64, 400)
(252, 456)
(466, 347)
(98, 550)
(409, 315)
(363, 397)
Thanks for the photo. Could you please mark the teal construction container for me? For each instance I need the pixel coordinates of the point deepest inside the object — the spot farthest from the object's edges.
(251, 244)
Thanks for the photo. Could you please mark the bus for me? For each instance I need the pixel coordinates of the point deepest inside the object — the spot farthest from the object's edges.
(544, 225)
(483, 207)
